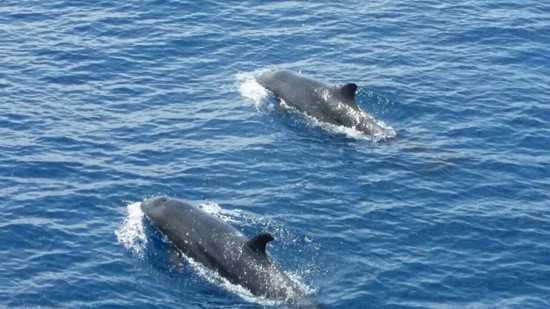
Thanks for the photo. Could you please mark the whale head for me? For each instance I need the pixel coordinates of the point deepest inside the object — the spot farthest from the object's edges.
(154, 207)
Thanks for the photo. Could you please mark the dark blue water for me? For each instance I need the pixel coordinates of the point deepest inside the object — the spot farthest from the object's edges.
(104, 103)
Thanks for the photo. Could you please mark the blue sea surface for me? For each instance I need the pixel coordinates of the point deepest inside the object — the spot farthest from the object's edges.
(105, 103)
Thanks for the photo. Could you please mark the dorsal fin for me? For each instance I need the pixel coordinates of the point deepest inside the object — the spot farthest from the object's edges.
(258, 242)
(348, 91)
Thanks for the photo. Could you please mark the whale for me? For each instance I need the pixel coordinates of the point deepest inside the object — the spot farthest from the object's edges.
(330, 104)
(223, 249)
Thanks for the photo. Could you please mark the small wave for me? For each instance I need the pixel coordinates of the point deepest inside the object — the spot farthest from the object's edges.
(131, 233)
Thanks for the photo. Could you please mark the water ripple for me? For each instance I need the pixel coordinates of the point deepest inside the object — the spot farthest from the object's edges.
(105, 103)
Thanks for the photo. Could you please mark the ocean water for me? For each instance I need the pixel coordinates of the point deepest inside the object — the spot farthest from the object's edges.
(105, 103)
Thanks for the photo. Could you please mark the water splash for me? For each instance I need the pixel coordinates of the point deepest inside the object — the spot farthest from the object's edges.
(251, 89)
(131, 233)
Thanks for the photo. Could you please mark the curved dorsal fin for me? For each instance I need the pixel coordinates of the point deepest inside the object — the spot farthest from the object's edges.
(348, 91)
(258, 242)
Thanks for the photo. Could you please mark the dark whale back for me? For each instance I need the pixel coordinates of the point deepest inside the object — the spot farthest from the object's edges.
(330, 104)
(291, 87)
(222, 248)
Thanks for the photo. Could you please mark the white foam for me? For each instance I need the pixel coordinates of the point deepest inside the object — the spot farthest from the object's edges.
(251, 89)
(131, 233)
